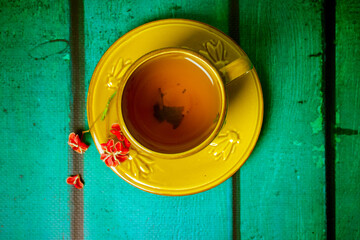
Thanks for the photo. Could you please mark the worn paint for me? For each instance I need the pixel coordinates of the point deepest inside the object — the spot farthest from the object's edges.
(279, 48)
(283, 39)
(319, 161)
(337, 115)
(347, 140)
(66, 57)
(317, 124)
(34, 100)
(320, 148)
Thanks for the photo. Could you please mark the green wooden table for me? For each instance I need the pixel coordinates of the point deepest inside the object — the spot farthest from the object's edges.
(301, 181)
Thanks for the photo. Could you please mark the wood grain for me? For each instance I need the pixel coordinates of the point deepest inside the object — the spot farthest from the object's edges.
(282, 185)
(113, 208)
(347, 163)
(280, 191)
(34, 98)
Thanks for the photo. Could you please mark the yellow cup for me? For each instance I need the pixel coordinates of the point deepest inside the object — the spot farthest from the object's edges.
(219, 78)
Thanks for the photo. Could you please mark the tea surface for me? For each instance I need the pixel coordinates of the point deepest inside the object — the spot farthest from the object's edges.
(171, 104)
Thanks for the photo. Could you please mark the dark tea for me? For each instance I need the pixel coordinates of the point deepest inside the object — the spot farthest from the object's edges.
(171, 103)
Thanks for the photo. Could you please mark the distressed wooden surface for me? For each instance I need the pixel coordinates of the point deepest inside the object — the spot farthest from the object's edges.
(347, 162)
(279, 193)
(34, 98)
(282, 185)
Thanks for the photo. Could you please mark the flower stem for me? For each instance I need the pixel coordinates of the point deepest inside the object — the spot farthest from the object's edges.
(107, 106)
(83, 132)
(102, 115)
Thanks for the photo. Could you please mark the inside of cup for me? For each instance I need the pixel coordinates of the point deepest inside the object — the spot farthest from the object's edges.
(172, 101)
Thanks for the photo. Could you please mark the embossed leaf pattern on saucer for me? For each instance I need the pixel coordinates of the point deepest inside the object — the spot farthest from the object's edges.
(224, 145)
(117, 72)
(215, 52)
(139, 164)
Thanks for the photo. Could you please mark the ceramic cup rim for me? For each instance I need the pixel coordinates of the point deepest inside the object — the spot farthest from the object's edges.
(200, 60)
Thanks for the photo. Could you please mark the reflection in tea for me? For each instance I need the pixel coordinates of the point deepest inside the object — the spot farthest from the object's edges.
(170, 103)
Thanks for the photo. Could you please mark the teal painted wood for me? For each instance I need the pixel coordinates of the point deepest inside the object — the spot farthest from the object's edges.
(114, 209)
(34, 98)
(282, 185)
(347, 164)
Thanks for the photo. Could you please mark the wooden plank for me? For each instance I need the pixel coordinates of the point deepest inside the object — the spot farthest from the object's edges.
(347, 164)
(34, 98)
(113, 208)
(282, 185)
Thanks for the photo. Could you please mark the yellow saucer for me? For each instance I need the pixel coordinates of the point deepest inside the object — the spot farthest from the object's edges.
(230, 149)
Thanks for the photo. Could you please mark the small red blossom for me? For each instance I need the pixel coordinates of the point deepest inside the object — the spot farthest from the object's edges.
(127, 143)
(114, 153)
(76, 144)
(116, 130)
(76, 181)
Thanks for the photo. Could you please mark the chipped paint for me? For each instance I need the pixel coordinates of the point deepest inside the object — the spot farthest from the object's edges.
(67, 57)
(316, 125)
(319, 161)
(320, 148)
(297, 143)
(337, 116)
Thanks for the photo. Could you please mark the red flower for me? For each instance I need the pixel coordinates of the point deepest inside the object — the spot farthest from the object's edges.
(114, 154)
(76, 181)
(76, 144)
(127, 143)
(115, 129)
